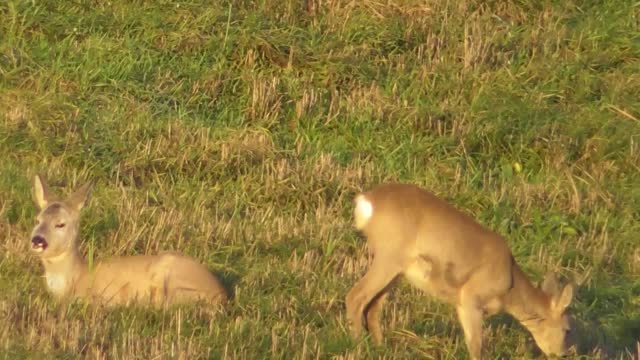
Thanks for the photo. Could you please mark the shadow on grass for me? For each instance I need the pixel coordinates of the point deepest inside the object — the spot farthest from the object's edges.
(228, 281)
(618, 340)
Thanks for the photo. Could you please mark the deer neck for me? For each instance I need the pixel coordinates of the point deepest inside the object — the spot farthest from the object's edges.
(63, 271)
(524, 301)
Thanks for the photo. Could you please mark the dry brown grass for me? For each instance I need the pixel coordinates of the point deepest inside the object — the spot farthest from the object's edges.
(239, 133)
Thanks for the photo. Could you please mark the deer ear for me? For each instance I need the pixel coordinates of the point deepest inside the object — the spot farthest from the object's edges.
(41, 192)
(550, 284)
(562, 300)
(80, 197)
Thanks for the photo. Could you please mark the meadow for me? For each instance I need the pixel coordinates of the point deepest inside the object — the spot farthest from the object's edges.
(238, 132)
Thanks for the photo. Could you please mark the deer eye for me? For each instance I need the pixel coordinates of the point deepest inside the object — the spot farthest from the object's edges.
(60, 225)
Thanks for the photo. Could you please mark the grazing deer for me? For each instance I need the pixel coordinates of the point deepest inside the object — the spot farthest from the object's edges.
(447, 254)
(159, 279)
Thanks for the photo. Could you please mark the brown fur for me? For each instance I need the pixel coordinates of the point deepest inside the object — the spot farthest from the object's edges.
(162, 279)
(446, 253)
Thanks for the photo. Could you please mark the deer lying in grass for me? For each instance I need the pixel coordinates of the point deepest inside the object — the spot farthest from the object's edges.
(157, 279)
(447, 254)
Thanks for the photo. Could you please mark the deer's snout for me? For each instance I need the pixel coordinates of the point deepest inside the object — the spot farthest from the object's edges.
(38, 243)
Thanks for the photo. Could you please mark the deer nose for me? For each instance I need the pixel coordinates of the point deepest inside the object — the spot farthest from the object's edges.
(38, 241)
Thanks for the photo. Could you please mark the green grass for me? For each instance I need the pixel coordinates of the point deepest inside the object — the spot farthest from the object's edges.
(239, 132)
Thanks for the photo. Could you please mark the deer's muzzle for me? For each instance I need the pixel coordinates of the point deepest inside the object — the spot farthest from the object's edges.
(38, 243)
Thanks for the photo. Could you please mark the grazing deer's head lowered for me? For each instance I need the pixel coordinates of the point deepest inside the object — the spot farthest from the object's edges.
(447, 254)
(159, 279)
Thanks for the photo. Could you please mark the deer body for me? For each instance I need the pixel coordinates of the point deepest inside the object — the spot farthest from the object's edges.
(163, 279)
(447, 254)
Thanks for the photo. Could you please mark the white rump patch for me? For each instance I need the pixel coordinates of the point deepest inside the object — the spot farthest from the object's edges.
(362, 212)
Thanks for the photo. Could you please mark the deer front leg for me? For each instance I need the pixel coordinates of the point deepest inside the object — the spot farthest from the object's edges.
(470, 315)
(380, 274)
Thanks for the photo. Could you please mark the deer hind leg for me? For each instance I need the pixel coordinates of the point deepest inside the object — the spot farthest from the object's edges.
(377, 278)
(372, 313)
(178, 293)
(192, 282)
(179, 288)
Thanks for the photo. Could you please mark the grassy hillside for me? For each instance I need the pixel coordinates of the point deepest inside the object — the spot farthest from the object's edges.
(238, 132)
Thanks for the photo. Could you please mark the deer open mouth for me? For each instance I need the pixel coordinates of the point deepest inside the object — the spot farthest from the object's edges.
(38, 244)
